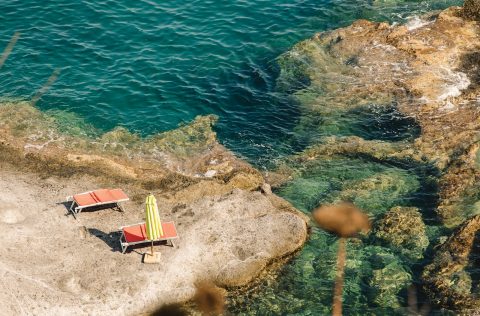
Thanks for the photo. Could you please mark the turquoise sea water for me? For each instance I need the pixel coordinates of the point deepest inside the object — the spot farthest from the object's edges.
(150, 65)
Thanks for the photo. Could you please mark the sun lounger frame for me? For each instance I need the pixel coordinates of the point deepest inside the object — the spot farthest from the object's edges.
(75, 208)
(124, 244)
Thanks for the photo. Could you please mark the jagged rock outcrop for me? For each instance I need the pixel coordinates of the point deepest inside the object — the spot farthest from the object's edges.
(447, 279)
(425, 70)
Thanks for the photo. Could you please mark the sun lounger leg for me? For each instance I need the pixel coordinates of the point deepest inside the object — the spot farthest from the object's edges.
(72, 209)
(120, 208)
(172, 243)
(123, 245)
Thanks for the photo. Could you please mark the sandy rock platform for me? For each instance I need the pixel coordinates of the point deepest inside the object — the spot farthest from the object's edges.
(52, 264)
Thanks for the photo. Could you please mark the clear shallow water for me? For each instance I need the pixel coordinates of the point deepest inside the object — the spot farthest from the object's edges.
(150, 65)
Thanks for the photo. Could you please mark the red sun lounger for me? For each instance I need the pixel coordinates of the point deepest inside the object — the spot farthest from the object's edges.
(97, 198)
(136, 234)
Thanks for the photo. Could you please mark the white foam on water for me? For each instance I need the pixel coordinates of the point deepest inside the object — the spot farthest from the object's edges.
(49, 134)
(455, 82)
(448, 107)
(415, 23)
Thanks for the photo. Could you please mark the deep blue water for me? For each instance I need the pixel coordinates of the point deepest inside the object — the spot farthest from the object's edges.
(150, 65)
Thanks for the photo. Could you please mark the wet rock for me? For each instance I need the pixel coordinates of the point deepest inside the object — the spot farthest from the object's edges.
(229, 230)
(471, 9)
(426, 70)
(246, 180)
(380, 191)
(402, 229)
(446, 280)
(354, 145)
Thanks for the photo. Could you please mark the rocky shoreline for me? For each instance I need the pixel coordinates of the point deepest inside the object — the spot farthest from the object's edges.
(230, 224)
(424, 75)
(421, 76)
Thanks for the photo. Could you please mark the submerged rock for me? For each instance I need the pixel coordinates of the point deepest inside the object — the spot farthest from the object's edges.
(386, 283)
(447, 280)
(427, 71)
(402, 229)
(386, 275)
(380, 191)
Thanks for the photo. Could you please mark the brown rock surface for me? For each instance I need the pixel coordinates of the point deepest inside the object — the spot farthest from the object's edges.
(472, 9)
(446, 279)
(48, 265)
(403, 229)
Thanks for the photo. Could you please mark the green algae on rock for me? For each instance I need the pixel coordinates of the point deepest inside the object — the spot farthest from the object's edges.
(387, 282)
(190, 150)
(402, 228)
(427, 73)
(380, 191)
(372, 186)
(422, 70)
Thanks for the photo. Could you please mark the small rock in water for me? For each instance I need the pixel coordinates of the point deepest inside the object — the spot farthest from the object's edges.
(403, 229)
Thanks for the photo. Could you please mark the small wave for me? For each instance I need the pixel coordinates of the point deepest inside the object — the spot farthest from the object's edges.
(456, 81)
(416, 22)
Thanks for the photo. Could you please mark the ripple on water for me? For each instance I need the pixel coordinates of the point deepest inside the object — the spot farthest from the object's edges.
(166, 60)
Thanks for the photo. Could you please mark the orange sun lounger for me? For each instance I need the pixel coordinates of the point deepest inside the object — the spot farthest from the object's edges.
(136, 234)
(97, 198)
